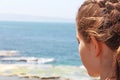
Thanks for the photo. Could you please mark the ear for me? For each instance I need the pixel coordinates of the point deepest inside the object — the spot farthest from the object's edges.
(97, 46)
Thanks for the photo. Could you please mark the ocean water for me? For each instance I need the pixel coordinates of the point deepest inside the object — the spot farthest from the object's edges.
(42, 49)
(39, 43)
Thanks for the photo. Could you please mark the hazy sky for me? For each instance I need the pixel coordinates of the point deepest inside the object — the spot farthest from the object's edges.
(46, 8)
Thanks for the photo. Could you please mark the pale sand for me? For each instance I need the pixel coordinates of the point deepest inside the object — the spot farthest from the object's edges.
(14, 78)
(19, 78)
(36, 72)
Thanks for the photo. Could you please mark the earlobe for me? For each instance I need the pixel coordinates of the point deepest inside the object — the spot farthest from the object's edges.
(97, 46)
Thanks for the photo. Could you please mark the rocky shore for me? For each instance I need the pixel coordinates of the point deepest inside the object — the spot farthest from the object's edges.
(41, 72)
(31, 78)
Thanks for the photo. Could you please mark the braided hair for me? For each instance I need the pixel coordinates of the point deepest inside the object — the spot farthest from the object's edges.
(103, 24)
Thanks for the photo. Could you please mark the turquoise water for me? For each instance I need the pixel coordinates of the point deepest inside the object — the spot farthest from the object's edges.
(49, 43)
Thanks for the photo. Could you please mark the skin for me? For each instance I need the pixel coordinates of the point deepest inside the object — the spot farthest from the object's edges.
(92, 62)
(96, 57)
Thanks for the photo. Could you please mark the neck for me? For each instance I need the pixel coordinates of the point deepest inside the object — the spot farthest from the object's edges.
(107, 71)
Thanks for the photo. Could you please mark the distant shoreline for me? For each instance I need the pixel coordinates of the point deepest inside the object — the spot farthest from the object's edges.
(73, 22)
(29, 18)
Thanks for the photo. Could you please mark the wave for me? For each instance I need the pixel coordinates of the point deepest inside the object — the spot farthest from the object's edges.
(29, 60)
(8, 53)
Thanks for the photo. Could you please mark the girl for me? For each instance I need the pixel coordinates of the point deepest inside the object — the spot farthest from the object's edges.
(98, 34)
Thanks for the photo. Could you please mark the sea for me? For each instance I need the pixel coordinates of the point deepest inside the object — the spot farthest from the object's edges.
(42, 43)
(47, 42)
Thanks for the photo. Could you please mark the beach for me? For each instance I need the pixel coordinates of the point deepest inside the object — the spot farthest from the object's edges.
(19, 78)
(41, 72)
(14, 78)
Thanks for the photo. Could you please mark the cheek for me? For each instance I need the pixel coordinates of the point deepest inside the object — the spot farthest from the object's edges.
(84, 55)
(82, 52)
(88, 60)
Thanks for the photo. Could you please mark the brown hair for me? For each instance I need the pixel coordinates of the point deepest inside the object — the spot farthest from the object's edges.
(102, 22)
(88, 9)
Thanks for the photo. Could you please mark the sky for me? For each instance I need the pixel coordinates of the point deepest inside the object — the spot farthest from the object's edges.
(63, 9)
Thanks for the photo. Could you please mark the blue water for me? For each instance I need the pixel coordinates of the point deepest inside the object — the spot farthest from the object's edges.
(41, 40)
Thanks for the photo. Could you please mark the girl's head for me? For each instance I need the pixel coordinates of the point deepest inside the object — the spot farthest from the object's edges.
(98, 22)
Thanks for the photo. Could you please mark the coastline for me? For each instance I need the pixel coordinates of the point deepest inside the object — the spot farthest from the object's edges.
(25, 78)
(41, 72)
(13, 78)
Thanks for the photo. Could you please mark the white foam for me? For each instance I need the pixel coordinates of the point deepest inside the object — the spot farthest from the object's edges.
(8, 53)
(29, 59)
(46, 60)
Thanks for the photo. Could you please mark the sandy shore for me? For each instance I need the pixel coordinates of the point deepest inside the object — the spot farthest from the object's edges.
(21, 78)
(14, 78)
(41, 72)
